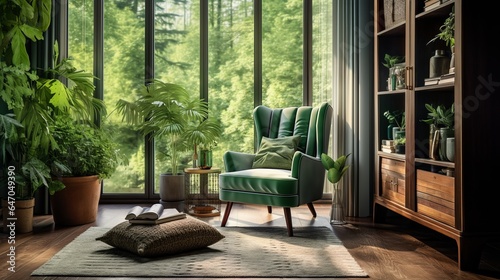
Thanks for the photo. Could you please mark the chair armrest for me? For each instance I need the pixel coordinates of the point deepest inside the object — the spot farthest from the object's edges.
(310, 173)
(235, 161)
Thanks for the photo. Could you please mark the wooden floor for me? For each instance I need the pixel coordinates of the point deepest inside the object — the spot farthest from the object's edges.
(398, 249)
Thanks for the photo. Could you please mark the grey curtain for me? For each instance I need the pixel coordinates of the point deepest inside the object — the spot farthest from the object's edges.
(352, 96)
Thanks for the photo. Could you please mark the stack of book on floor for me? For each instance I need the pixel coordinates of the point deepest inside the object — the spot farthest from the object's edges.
(388, 146)
(153, 215)
(447, 78)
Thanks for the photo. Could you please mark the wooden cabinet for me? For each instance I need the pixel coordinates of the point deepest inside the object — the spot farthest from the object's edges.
(455, 198)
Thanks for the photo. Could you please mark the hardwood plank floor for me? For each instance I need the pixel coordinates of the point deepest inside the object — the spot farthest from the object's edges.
(398, 249)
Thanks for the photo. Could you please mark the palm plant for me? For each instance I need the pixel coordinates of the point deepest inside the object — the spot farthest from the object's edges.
(168, 110)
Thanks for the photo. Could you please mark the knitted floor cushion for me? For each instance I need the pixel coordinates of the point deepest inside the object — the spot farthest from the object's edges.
(164, 239)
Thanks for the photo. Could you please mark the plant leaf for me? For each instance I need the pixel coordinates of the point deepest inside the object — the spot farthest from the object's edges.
(327, 161)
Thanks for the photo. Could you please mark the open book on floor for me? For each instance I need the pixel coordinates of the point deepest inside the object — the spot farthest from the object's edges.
(155, 214)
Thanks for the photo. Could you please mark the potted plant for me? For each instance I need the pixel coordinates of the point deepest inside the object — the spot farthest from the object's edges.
(400, 144)
(85, 155)
(390, 62)
(397, 122)
(336, 169)
(168, 112)
(30, 136)
(447, 34)
(441, 121)
(32, 101)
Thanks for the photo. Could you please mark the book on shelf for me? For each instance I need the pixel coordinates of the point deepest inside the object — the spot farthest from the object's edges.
(431, 81)
(156, 214)
(386, 150)
(386, 142)
(387, 146)
(429, 5)
(430, 2)
(447, 78)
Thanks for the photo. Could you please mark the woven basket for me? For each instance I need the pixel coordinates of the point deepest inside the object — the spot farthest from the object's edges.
(394, 12)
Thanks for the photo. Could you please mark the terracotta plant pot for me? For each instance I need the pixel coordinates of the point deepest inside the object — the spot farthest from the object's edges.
(23, 213)
(77, 204)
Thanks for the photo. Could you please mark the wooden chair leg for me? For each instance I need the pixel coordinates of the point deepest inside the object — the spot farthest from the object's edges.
(311, 208)
(229, 205)
(288, 220)
(269, 209)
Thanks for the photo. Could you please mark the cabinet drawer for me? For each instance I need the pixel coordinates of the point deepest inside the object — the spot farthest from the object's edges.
(436, 196)
(392, 174)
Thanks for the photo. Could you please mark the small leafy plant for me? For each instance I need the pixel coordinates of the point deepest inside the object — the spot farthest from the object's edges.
(84, 150)
(396, 117)
(336, 168)
(447, 30)
(400, 141)
(390, 60)
(440, 116)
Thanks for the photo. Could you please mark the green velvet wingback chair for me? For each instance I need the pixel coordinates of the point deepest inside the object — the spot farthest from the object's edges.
(300, 184)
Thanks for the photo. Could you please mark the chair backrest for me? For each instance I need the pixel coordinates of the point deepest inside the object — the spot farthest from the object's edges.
(311, 123)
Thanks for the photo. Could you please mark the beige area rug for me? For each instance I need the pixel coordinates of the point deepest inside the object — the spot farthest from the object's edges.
(245, 252)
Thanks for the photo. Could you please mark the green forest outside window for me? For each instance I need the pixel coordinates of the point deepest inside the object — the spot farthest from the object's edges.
(231, 66)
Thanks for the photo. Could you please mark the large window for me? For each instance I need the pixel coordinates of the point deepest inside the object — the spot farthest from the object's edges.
(282, 53)
(254, 55)
(231, 73)
(177, 60)
(322, 55)
(123, 76)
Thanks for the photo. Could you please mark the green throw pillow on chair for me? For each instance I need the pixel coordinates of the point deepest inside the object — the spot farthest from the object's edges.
(276, 152)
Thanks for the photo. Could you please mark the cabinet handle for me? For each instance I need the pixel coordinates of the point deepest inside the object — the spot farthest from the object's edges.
(409, 71)
(394, 185)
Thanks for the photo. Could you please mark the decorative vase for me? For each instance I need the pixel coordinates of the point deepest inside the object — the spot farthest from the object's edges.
(399, 73)
(450, 148)
(452, 60)
(205, 159)
(445, 133)
(439, 64)
(392, 78)
(432, 135)
(389, 132)
(395, 131)
(337, 216)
